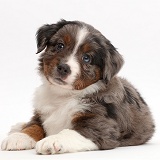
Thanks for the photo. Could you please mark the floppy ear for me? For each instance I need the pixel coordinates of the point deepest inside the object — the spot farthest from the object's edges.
(45, 32)
(43, 35)
(113, 63)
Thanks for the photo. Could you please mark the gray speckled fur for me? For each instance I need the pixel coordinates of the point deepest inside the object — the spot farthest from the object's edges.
(132, 124)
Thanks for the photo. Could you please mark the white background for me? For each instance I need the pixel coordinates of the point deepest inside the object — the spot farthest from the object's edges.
(133, 26)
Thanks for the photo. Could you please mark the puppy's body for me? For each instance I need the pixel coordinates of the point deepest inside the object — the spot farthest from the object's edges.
(82, 104)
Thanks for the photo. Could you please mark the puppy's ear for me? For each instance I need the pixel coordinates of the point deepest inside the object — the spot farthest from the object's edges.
(43, 35)
(45, 32)
(113, 63)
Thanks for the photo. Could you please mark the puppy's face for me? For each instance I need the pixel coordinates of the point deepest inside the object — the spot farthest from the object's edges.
(76, 55)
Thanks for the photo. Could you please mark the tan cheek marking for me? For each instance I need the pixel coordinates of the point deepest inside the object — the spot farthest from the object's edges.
(49, 66)
(45, 69)
(34, 131)
(83, 82)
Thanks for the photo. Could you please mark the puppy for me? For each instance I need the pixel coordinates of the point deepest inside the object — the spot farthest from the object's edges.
(81, 105)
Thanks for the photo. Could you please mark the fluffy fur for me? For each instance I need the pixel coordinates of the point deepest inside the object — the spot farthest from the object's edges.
(82, 104)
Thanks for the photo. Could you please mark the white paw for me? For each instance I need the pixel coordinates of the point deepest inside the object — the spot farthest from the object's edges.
(65, 141)
(18, 141)
(49, 145)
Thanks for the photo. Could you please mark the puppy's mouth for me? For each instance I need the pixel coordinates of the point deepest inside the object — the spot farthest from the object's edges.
(59, 81)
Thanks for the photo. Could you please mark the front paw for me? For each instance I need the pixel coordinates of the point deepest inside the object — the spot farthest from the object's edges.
(49, 145)
(18, 141)
(65, 141)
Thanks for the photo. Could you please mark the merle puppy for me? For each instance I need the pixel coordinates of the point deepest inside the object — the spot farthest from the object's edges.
(82, 104)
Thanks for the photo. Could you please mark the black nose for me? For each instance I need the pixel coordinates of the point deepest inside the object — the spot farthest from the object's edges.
(63, 69)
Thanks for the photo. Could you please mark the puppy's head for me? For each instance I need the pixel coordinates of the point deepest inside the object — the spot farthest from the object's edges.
(76, 55)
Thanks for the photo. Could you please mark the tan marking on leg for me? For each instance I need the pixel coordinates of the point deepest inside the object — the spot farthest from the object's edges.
(34, 131)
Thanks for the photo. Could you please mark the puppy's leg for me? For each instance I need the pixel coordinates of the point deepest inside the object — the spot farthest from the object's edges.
(102, 130)
(142, 124)
(65, 141)
(23, 136)
(89, 132)
(142, 131)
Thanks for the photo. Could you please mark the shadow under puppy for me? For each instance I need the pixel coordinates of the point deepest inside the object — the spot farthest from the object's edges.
(82, 105)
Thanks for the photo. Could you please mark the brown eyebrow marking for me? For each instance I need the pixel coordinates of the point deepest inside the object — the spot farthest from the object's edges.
(86, 48)
(67, 39)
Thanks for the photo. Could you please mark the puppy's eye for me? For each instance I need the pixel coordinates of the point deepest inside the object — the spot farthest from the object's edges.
(86, 58)
(59, 46)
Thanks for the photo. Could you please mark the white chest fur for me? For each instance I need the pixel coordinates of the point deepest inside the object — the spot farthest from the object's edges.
(57, 107)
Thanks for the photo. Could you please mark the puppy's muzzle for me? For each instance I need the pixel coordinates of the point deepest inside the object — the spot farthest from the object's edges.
(63, 70)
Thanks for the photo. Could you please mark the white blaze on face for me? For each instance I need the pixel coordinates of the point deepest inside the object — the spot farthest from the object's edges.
(72, 60)
(75, 69)
(81, 35)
